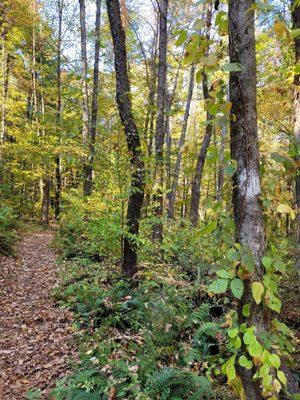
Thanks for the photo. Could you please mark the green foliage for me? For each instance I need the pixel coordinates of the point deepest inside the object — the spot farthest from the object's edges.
(8, 226)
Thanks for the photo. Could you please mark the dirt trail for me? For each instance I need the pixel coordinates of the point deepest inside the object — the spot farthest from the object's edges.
(35, 336)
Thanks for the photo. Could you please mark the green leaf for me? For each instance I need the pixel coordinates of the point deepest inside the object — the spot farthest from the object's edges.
(246, 310)
(237, 287)
(279, 266)
(232, 67)
(209, 228)
(281, 376)
(232, 255)
(244, 362)
(267, 262)
(249, 338)
(181, 38)
(295, 33)
(257, 291)
(218, 286)
(248, 262)
(222, 273)
(255, 349)
(231, 373)
(273, 302)
(199, 75)
(274, 360)
(233, 332)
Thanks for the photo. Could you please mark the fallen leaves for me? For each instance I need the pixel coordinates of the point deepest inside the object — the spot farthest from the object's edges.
(35, 336)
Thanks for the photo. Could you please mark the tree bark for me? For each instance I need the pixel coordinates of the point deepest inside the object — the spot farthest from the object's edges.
(129, 263)
(296, 25)
(172, 196)
(85, 98)
(221, 173)
(248, 216)
(46, 201)
(88, 182)
(5, 84)
(196, 185)
(160, 119)
(58, 112)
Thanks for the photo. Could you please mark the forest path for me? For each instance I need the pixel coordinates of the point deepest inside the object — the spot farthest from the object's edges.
(35, 336)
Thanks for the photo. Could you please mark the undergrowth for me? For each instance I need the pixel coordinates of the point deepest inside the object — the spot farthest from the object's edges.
(8, 227)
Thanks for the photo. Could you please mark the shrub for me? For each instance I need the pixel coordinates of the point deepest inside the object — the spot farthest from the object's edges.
(8, 226)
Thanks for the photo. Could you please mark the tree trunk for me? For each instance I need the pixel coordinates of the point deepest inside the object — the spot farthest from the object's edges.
(296, 25)
(220, 178)
(88, 182)
(196, 185)
(46, 201)
(85, 99)
(160, 119)
(172, 196)
(5, 83)
(57, 200)
(136, 196)
(248, 216)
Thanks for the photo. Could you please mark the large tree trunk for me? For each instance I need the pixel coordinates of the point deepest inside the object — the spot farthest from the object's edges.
(248, 216)
(58, 112)
(132, 136)
(296, 25)
(88, 182)
(196, 185)
(172, 196)
(85, 99)
(160, 120)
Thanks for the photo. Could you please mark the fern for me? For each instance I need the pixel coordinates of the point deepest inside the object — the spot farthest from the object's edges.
(173, 384)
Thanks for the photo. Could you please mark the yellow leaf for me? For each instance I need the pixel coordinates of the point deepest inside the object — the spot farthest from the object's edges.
(279, 28)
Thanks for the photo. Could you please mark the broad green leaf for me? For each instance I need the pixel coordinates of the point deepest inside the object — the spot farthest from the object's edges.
(237, 287)
(274, 360)
(233, 332)
(279, 266)
(257, 291)
(181, 38)
(273, 302)
(218, 286)
(222, 273)
(244, 362)
(232, 67)
(232, 255)
(209, 228)
(255, 349)
(249, 338)
(267, 262)
(246, 310)
(281, 376)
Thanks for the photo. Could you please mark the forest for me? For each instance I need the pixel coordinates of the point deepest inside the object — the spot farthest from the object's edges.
(149, 199)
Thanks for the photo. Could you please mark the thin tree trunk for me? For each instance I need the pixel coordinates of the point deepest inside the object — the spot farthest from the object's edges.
(172, 196)
(5, 84)
(169, 103)
(221, 173)
(88, 182)
(196, 185)
(248, 217)
(85, 99)
(296, 25)
(58, 185)
(45, 201)
(160, 120)
(136, 196)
